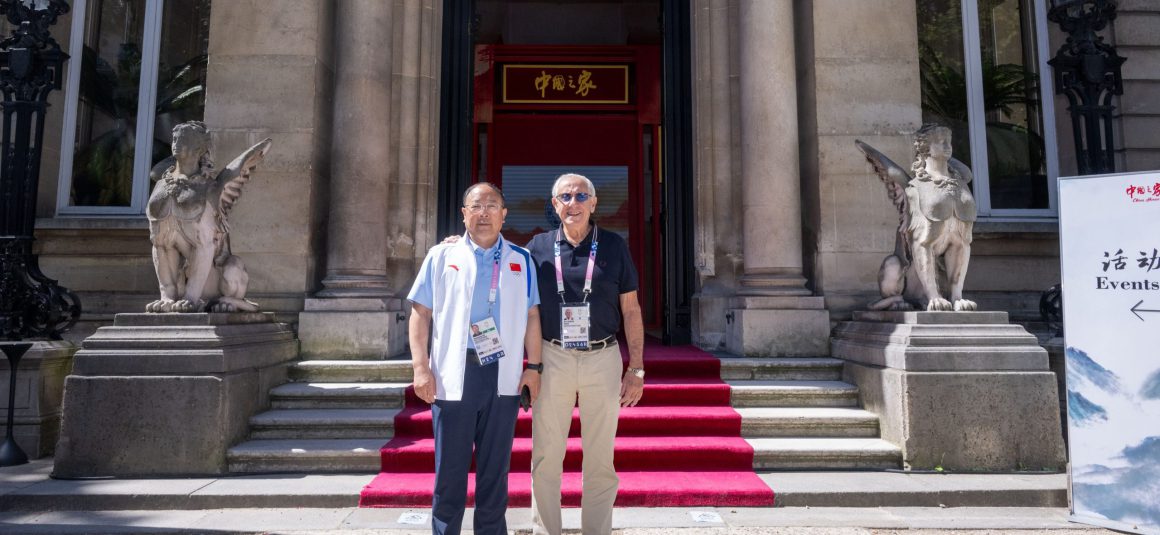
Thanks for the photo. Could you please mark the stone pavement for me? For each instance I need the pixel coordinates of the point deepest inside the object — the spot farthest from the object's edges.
(823, 502)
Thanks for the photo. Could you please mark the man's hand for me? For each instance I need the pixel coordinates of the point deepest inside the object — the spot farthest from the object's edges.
(424, 384)
(454, 238)
(631, 389)
(531, 379)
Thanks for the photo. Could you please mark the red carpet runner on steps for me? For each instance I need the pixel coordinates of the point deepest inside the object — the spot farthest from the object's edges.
(681, 447)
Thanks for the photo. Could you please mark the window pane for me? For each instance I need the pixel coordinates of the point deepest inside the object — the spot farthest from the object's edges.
(944, 83)
(1015, 148)
(107, 112)
(181, 70)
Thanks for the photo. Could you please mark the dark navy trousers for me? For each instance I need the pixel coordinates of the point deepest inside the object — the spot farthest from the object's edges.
(488, 422)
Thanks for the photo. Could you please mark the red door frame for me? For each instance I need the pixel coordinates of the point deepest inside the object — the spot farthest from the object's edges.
(644, 105)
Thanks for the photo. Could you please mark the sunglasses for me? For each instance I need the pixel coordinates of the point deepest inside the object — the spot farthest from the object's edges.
(567, 197)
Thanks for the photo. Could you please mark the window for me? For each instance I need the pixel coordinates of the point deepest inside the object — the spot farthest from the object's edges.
(138, 68)
(980, 63)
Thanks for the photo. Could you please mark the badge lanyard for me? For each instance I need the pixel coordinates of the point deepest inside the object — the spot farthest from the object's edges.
(491, 293)
(587, 275)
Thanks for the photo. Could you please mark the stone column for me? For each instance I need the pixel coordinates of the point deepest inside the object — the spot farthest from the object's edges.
(774, 313)
(356, 315)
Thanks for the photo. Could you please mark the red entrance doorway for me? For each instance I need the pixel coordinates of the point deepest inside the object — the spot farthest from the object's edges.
(544, 111)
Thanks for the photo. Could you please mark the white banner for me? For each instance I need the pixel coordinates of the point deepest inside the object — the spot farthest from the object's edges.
(1110, 254)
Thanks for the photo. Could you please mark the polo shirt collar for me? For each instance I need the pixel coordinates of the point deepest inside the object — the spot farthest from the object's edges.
(587, 238)
(480, 251)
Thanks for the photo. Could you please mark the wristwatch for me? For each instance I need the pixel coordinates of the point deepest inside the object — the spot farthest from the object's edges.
(639, 372)
(538, 367)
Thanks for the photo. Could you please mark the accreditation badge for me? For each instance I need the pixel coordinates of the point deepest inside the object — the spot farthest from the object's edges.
(488, 348)
(574, 325)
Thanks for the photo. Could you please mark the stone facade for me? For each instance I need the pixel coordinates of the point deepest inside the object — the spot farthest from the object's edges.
(789, 223)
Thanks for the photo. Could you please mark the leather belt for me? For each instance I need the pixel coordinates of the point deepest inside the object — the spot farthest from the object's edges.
(592, 346)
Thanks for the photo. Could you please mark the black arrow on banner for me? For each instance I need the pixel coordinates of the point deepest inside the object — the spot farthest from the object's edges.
(1137, 310)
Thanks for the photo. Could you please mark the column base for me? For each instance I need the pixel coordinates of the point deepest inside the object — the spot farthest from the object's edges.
(352, 328)
(957, 390)
(778, 327)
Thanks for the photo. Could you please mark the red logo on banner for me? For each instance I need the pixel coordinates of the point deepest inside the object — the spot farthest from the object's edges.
(1143, 193)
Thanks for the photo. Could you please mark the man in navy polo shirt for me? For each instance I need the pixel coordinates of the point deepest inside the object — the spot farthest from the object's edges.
(588, 285)
(477, 300)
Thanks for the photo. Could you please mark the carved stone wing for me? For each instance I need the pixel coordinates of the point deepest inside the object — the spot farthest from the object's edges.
(235, 176)
(896, 179)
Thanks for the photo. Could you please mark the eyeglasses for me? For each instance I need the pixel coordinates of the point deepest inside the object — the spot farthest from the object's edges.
(567, 197)
(479, 208)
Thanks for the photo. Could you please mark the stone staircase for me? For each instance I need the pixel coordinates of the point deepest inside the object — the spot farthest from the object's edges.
(795, 412)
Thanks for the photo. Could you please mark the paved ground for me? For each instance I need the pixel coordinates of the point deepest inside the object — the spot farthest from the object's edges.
(811, 503)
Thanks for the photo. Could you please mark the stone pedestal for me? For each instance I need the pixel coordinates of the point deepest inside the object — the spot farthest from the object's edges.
(963, 391)
(352, 328)
(39, 389)
(778, 327)
(168, 394)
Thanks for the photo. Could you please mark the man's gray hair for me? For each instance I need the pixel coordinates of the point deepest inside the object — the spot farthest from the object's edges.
(567, 176)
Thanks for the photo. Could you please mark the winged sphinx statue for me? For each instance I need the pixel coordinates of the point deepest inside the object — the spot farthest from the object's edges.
(936, 213)
(189, 226)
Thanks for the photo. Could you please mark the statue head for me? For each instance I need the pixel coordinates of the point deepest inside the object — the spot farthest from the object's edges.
(940, 137)
(192, 138)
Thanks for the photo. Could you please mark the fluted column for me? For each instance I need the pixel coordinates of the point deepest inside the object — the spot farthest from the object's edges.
(773, 314)
(360, 157)
(356, 315)
(771, 184)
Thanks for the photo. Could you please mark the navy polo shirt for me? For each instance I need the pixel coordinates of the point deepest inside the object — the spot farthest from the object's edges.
(614, 274)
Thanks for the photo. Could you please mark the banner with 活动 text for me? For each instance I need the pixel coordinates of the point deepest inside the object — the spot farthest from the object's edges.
(1110, 257)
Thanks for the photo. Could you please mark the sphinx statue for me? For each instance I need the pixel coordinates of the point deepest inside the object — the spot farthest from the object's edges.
(189, 226)
(936, 213)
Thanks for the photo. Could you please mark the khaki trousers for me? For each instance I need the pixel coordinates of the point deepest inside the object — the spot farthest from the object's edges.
(594, 376)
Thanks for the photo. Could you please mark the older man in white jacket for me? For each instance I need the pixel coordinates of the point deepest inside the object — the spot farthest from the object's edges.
(478, 302)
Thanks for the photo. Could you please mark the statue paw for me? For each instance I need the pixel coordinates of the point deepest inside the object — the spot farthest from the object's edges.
(965, 305)
(222, 307)
(159, 306)
(939, 304)
(186, 306)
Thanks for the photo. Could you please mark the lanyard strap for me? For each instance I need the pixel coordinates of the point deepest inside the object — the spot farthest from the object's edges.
(491, 293)
(587, 274)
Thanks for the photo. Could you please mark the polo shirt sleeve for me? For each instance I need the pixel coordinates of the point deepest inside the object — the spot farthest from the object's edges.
(628, 277)
(421, 291)
(534, 282)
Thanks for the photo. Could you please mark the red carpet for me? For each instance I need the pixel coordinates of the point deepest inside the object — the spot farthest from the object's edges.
(681, 447)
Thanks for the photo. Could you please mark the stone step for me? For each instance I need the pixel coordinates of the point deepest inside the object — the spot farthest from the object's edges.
(793, 394)
(352, 371)
(323, 423)
(390, 395)
(843, 422)
(349, 455)
(732, 368)
(338, 396)
(362, 455)
(781, 368)
(824, 453)
(377, 423)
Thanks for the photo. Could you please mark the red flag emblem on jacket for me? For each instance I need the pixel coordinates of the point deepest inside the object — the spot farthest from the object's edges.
(514, 267)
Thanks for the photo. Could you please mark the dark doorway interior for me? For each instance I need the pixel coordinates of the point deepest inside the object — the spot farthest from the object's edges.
(592, 26)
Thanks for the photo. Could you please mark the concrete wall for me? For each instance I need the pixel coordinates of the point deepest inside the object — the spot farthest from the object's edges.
(868, 89)
(1137, 38)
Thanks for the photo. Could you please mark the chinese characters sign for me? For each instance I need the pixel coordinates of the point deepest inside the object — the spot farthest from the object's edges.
(565, 84)
(1143, 192)
(1110, 255)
